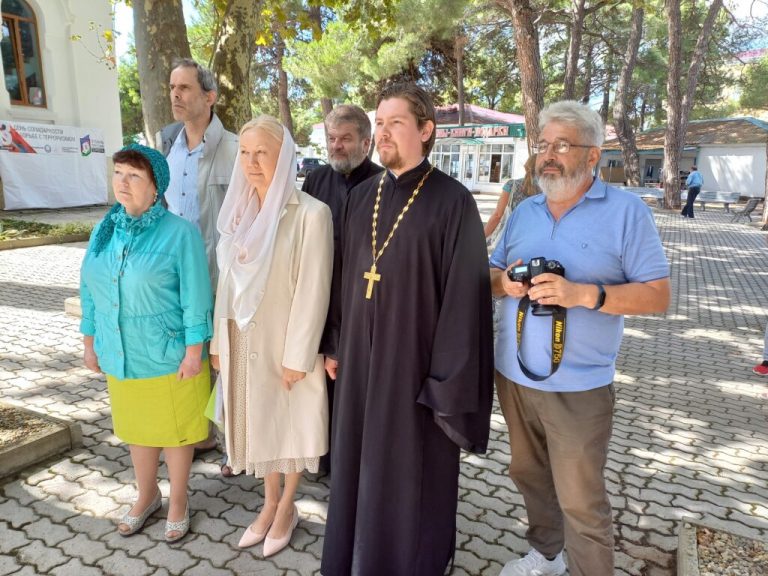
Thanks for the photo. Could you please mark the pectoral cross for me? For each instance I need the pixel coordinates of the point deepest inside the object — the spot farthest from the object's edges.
(372, 277)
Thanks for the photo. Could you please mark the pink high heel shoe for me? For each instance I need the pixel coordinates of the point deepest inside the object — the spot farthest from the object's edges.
(274, 545)
(251, 538)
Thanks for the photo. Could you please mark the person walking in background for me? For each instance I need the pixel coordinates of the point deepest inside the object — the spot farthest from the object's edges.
(762, 368)
(275, 256)
(513, 192)
(414, 355)
(348, 137)
(554, 371)
(201, 155)
(146, 302)
(694, 183)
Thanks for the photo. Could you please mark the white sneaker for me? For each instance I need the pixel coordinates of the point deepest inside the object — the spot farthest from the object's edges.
(534, 564)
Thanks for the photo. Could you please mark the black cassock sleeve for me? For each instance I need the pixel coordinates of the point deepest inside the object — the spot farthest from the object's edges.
(329, 343)
(459, 388)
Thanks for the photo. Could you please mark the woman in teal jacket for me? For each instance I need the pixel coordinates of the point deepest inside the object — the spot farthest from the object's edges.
(147, 303)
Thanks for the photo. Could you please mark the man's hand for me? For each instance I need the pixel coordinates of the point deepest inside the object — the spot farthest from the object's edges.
(215, 361)
(555, 290)
(503, 286)
(192, 363)
(290, 377)
(331, 367)
(89, 356)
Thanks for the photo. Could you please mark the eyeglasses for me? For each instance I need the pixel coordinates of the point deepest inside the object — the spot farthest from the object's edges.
(558, 147)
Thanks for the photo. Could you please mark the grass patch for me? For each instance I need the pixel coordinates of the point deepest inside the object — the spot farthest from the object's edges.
(11, 229)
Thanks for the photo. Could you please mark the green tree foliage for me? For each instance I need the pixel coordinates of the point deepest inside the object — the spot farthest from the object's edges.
(754, 85)
(130, 98)
(327, 63)
(355, 55)
(346, 51)
(492, 79)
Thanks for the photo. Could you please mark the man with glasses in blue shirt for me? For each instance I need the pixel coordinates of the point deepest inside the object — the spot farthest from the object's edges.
(555, 387)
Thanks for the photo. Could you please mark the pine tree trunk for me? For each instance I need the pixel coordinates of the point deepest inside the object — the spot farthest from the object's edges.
(586, 93)
(232, 63)
(528, 61)
(458, 47)
(672, 138)
(316, 16)
(679, 105)
(607, 87)
(574, 48)
(622, 102)
(160, 35)
(327, 105)
(284, 104)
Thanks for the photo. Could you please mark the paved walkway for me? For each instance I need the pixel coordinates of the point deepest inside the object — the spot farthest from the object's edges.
(84, 215)
(690, 437)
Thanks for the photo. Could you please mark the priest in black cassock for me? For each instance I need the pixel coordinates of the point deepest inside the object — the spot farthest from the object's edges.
(348, 138)
(413, 355)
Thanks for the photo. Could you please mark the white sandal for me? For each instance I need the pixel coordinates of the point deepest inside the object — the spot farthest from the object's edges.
(136, 523)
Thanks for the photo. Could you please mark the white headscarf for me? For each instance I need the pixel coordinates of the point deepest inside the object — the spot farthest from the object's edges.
(248, 232)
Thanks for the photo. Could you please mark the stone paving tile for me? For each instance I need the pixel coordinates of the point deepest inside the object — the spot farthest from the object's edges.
(174, 560)
(214, 550)
(205, 568)
(84, 548)
(75, 568)
(51, 534)
(12, 539)
(689, 435)
(136, 544)
(42, 557)
(119, 564)
(8, 565)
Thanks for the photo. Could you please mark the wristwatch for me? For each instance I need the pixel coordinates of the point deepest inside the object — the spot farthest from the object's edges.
(600, 297)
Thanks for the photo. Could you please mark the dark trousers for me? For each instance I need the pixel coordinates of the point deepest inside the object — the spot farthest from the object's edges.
(693, 191)
(325, 461)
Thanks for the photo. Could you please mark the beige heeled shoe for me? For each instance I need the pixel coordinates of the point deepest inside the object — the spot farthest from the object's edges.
(274, 545)
(251, 538)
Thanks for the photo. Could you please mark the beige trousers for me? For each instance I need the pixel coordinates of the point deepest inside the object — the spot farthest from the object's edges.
(559, 447)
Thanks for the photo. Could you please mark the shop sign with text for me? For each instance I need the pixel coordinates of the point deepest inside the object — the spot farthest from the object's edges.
(484, 131)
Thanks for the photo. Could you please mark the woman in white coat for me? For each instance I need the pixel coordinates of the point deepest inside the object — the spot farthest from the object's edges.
(275, 262)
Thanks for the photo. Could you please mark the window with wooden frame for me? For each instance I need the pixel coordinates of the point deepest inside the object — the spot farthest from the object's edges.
(21, 54)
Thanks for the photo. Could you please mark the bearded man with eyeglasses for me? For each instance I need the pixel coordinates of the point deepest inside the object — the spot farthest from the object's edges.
(559, 406)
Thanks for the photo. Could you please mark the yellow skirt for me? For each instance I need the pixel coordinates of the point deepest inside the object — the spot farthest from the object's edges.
(163, 411)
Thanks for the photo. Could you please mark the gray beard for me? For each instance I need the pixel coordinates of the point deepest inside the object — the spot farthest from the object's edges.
(561, 188)
(346, 165)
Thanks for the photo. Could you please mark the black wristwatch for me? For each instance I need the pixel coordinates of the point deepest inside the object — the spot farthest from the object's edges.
(600, 297)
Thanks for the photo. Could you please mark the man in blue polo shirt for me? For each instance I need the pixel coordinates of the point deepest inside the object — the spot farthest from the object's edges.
(693, 183)
(559, 407)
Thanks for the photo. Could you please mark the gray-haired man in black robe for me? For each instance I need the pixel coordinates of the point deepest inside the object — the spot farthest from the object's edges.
(348, 137)
(413, 356)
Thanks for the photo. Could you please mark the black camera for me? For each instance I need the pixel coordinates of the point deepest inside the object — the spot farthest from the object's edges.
(536, 266)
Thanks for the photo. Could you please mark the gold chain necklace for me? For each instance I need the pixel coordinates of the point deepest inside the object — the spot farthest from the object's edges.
(371, 276)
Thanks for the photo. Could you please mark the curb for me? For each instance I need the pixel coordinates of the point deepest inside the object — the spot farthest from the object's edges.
(42, 241)
(687, 543)
(66, 436)
(72, 307)
(687, 552)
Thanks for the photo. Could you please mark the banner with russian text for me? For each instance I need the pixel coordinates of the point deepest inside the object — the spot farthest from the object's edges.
(51, 166)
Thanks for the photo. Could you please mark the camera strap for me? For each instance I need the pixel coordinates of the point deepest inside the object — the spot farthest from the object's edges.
(558, 337)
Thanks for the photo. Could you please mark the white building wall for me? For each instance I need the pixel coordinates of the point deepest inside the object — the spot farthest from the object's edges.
(737, 168)
(79, 90)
